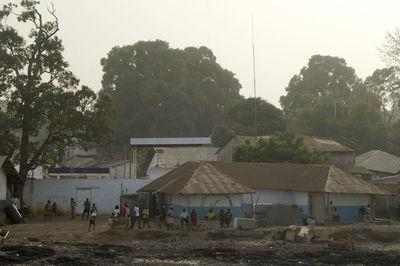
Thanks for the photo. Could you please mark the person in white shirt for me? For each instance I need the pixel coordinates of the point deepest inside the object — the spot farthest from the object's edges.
(116, 211)
(184, 217)
(136, 217)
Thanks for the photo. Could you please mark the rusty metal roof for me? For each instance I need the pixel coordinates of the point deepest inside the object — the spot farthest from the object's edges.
(341, 182)
(278, 176)
(379, 161)
(196, 178)
(312, 143)
(180, 142)
(325, 145)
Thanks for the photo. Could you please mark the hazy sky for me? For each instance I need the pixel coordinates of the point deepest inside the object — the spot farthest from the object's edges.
(287, 34)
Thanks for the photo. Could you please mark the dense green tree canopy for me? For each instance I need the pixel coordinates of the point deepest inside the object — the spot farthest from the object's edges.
(385, 83)
(269, 118)
(160, 92)
(327, 99)
(282, 147)
(220, 135)
(323, 76)
(44, 110)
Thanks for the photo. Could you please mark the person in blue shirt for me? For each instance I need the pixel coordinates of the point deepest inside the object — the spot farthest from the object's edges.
(86, 209)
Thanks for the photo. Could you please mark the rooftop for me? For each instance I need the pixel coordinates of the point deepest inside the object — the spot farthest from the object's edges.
(379, 161)
(294, 177)
(158, 142)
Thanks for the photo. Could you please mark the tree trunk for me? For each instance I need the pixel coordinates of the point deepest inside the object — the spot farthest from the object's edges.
(24, 152)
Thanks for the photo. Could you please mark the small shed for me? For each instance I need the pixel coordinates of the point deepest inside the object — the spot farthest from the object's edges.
(199, 186)
(9, 180)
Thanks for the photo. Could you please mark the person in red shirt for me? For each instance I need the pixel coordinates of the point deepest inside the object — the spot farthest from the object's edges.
(193, 217)
(126, 213)
(222, 218)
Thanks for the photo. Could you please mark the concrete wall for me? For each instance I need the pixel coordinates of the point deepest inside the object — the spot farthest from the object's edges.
(156, 172)
(203, 203)
(105, 193)
(225, 154)
(348, 204)
(346, 158)
(3, 184)
(275, 197)
(120, 171)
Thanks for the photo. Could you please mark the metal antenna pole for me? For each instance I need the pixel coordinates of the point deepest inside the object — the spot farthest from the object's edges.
(254, 78)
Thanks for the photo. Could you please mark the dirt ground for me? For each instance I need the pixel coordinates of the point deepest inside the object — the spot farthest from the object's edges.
(68, 242)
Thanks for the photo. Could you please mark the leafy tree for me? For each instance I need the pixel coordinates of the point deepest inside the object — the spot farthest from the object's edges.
(323, 76)
(44, 110)
(385, 83)
(359, 119)
(144, 157)
(269, 118)
(163, 92)
(282, 147)
(220, 135)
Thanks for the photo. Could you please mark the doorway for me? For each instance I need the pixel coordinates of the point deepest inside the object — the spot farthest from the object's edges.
(81, 195)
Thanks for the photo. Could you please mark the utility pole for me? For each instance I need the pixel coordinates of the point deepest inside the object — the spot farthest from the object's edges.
(334, 110)
(254, 78)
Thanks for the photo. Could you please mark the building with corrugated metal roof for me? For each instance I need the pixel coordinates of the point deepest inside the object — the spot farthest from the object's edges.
(339, 153)
(379, 162)
(310, 187)
(199, 186)
(165, 159)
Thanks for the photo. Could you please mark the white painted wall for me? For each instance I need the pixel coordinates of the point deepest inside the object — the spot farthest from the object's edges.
(3, 184)
(207, 201)
(105, 193)
(36, 173)
(278, 197)
(120, 171)
(156, 172)
(348, 199)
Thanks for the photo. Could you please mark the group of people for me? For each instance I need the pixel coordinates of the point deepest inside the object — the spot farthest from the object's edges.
(138, 216)
(50, 210)
(135, 218)
(167, 218)
(364, 213)
(90, 210)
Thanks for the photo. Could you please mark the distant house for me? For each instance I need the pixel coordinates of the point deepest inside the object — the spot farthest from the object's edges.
(339, 153)
(310, 187)
(91, 168)
(78, 173)
(166, 159)
(79, 151)
(379, 162)
(9, 181)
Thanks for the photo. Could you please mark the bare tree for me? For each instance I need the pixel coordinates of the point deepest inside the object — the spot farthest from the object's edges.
(390, 50)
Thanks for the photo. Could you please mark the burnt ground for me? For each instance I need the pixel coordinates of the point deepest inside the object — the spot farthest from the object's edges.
(65, 242)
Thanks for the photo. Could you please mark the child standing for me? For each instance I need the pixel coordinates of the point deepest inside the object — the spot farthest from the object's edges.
(92, 220)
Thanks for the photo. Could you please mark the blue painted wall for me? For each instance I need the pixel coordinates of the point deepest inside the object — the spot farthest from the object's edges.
(247, 208)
